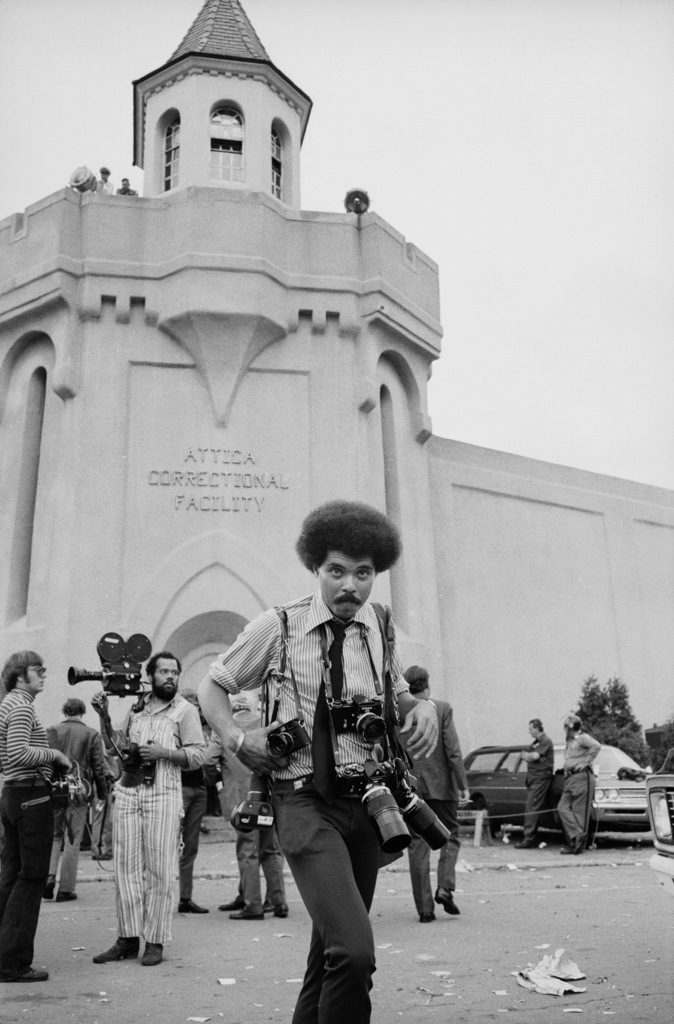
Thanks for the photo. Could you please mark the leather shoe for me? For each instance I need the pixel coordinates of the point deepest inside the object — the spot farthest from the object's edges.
(280, 910)
(190, 907)
(245, 915)
(526, 844)
(267, 906)
(567, 849)
(236, 904)
(427, 918)
(153, 954)
(65, 897)
(48, 891)
(30, 975)
(123, 949)
(446, 899)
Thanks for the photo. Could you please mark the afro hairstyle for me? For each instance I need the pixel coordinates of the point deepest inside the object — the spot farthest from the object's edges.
(352, 528)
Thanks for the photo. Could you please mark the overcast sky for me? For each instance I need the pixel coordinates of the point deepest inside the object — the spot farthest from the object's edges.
(526, 145)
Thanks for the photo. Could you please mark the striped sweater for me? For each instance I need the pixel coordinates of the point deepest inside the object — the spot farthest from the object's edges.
(23, 741)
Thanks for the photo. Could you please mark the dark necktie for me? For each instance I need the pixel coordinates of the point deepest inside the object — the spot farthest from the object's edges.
(321, 743)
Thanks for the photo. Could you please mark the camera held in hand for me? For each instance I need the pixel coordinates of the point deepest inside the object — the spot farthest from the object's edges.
(361, 715)
(290, 737)
(136, 771)
(256, 810)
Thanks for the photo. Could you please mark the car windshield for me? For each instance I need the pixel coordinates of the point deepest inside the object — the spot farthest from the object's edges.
(610, 759)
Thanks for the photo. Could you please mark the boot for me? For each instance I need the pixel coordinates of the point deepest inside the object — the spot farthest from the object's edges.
(153, 954)
(123, 949)
(48, 892)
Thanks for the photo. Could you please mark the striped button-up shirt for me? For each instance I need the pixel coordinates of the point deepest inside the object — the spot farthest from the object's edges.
(257, 651)
(23, 741)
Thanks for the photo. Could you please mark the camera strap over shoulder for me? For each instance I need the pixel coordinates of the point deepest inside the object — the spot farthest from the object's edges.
(275, 676)
(383, 613)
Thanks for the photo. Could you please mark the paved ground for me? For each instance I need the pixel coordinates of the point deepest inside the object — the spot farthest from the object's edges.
(605, 908)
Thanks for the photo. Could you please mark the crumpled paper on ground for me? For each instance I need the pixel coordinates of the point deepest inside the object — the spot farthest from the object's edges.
(552, 975)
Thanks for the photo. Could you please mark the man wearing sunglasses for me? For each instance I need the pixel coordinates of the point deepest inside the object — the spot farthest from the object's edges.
(28, 765)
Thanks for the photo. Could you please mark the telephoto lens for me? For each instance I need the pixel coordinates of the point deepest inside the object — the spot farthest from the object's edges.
(383, 811)
(425, 822)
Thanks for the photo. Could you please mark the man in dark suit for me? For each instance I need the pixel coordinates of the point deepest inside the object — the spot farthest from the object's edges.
(441, 782)
(84, 747)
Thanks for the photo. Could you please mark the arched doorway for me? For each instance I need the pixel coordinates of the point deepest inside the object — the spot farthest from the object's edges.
(199, 640)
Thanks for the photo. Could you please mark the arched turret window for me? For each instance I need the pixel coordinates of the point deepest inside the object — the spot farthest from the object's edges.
(276, 164)
(226, 144)
(171, 154)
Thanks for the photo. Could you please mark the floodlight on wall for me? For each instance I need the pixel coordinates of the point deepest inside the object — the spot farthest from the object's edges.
(82, 180)
(357, 201)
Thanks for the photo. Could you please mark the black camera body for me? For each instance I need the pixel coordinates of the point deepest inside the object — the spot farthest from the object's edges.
(68, 788)
(360, 714)
(121, 663)
(290, 737)
(136, 769)
(255, 812)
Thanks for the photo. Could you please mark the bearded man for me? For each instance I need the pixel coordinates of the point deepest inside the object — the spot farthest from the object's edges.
(162, 735)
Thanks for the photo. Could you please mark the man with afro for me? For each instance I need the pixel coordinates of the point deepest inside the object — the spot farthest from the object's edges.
(334, 652)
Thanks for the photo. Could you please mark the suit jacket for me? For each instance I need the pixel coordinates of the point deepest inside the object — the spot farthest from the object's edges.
(84, 745)
(442, 775)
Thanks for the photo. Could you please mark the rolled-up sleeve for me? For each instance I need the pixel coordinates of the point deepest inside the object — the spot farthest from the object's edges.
(247, 662)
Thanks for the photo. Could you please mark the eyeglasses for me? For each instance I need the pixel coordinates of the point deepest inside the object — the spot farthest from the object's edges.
(40, 670)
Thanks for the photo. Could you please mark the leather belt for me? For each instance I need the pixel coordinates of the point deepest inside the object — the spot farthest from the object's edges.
(34, 783)
(290, 785)
(575, 771)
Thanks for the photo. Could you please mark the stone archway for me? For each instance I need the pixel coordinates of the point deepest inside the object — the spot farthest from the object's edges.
(199, 640)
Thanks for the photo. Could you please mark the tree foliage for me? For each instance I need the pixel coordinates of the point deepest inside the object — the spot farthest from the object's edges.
(659, 754)
(606, 713)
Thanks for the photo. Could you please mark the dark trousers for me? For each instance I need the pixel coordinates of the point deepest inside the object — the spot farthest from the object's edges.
(333, 854)
(419, 853)
(194, 807)
(537, 799)
(255, 850)
(25, 866)
(575, 806)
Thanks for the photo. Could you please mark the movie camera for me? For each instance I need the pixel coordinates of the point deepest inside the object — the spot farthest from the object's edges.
(121, 664)
(256, 810)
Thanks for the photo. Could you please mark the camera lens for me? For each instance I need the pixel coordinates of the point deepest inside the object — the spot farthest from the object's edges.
(386, 819)
(371, 727)
(425, 822)
(279, 743)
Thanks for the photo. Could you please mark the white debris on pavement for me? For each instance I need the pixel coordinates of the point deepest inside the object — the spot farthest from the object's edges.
(552, 975)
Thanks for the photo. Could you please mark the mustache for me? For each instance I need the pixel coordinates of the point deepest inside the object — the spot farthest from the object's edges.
(348, 600)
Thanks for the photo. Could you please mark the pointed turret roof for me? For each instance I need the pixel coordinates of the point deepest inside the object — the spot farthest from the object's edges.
(222, 29)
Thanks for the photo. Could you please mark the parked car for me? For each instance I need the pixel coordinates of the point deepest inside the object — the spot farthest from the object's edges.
(660, 794)
(496, 777)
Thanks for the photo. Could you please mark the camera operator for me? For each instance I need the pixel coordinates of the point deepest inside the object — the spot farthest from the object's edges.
(28, 765)
(334, 641)
(163, 730)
